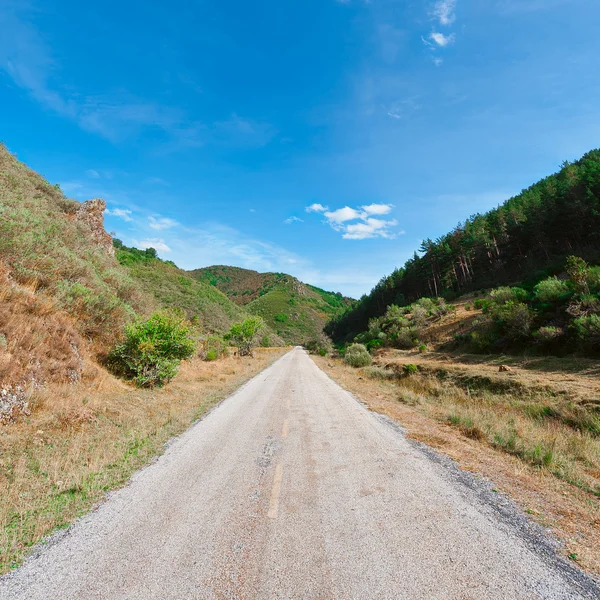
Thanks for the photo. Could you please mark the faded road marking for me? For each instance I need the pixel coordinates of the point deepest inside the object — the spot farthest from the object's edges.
(274, 504)
(284, 429)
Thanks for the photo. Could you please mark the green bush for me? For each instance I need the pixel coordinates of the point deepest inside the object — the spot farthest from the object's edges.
(211, 347)
(153, 349)
(551, 290)
(244, 335)
(513, 318)
(410, 369)
(357, 355)
(548, 335)
(502, 295)
(587, 330)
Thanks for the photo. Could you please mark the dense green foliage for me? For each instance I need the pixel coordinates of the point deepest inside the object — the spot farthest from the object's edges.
(295, 311)
(401, 326)
(244, 335)
(533, 231)
(152, 349)
(557, 315)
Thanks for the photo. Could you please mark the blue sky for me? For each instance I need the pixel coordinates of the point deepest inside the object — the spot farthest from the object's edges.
(320, 138)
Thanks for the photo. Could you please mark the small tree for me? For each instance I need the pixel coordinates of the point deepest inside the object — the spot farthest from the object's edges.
(244, 335)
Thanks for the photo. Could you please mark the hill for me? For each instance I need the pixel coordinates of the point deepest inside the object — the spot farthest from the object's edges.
(66, 292)
(524, 240)
(294, 310)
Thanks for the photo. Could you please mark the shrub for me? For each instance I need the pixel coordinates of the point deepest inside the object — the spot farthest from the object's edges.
(357, 355)
(406, 338)
(547, 335)
(502, 295)
(587, 330)
(422, 348)
(514, 319)
(211, 347)
(265, 341)
(410, 369)
(281, 318)
(243, 335)
(419, 314)
(551, 290)
(320, 345)
(153, 349)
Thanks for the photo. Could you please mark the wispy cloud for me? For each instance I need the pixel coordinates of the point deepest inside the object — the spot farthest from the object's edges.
(440, 39)
(443, 11)
(243, 132)
(291, 220)
(121, 213)
(156, 243)
(319, 208)
(113, 114)
(92, 174)
(160, 223)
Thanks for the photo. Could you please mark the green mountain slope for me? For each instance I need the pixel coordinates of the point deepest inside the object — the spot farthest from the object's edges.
(65, 294)
(171, 287)
(294, 310)
(523, 240)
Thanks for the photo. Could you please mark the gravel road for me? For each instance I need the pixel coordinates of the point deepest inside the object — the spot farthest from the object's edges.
(293, 489)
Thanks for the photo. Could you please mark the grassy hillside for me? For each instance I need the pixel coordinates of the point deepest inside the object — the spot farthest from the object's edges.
(65, 295)
(169, 286)
(296, 311)
(525, 240)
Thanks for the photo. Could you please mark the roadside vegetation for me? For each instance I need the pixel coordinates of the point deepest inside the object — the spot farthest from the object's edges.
(533, 429)
(79, 443)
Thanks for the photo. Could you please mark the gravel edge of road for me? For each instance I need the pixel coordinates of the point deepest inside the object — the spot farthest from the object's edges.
(506, 511)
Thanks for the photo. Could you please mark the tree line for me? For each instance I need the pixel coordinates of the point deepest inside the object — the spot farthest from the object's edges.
(525, 238)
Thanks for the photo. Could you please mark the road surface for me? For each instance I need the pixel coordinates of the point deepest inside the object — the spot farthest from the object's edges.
(292, 489)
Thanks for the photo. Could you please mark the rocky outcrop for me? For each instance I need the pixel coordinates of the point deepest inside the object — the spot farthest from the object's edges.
(92, 213)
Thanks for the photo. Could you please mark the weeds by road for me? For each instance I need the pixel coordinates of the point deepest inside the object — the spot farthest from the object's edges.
(528, 432)
(77, 444)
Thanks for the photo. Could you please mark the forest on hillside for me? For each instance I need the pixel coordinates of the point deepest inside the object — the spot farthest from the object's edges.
(526, 238)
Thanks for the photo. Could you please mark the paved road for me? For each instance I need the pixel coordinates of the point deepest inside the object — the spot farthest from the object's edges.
(292, 489)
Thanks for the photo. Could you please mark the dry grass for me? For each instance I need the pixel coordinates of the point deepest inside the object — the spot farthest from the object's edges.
(538, 445)
(82, 441)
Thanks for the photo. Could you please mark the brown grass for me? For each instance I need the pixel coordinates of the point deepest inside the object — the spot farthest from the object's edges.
(530, 440)
(82, 441)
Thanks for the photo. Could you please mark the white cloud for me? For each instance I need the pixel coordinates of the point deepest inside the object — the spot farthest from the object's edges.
(341, 215)
(92, 174)
(443, 11)
(359, 223)
(370, 228)
(316, 208)
(291, 220)
(377, 209)
(162, 223)
(156, 243)
(440, 39)
(121, 213)
(437, 61)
